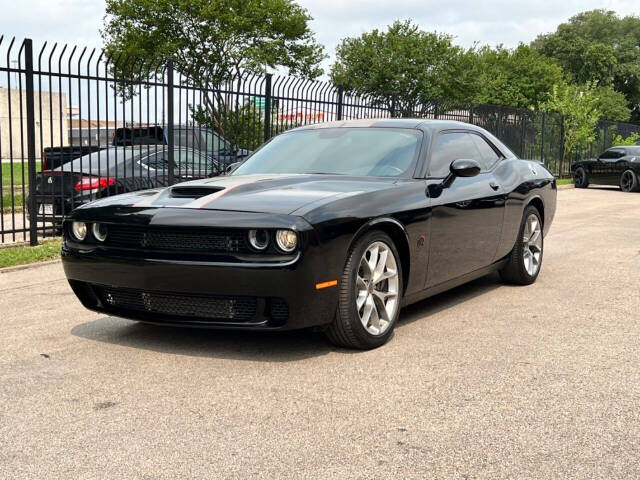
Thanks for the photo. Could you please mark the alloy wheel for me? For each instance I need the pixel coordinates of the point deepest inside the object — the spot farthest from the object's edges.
(532, 244)
(578, 177)
(377, 286)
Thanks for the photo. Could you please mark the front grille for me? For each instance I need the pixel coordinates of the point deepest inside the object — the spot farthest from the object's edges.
(183, 240)
(221, 308)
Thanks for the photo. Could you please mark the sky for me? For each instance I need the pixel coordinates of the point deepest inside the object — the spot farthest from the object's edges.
(492, 22)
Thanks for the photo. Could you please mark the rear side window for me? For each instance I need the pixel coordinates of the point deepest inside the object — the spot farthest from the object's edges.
(157, 161)
(192, 162)
(449, 147)
(613, 153)
(489, 155)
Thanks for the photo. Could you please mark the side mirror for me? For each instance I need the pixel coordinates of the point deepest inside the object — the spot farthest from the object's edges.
(463, 167)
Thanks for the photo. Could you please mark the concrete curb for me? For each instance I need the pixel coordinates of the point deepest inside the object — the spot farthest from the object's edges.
(27, 266)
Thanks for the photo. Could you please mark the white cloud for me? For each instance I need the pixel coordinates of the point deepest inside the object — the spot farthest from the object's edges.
(75, 22)
(490, 22)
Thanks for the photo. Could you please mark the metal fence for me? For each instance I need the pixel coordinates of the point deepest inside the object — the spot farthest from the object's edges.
(77, 124)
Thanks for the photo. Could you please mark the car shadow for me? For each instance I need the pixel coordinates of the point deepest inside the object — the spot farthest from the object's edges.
(431, 306)
(286, 346)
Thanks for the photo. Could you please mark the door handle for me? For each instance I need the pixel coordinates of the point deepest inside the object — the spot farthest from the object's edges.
(494, 185)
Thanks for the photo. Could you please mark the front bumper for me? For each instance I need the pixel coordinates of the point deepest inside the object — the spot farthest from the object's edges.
(177, 291)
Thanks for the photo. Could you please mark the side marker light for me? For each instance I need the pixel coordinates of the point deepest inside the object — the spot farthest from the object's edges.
(331, 283)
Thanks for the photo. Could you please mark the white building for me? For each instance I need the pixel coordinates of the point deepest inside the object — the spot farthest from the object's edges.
(51, 123)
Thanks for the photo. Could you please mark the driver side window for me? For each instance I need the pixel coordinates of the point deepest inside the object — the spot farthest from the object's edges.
(449, 147)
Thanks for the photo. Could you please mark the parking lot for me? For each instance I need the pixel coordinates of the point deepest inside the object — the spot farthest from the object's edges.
(485, 381)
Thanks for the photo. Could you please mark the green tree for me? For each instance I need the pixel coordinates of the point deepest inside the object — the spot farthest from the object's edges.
(578, 105)
(213, 44)
(599, 47)
(521, 77)
(418, 66)
(243, 126)
(215, 39)
(619, 140)
(612, 105)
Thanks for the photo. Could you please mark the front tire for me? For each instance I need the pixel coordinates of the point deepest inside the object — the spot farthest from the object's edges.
(525, 259)
(580, 179)
(629, 181)
(370, 294)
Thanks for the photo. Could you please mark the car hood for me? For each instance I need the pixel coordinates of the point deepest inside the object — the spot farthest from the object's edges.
(265, 193)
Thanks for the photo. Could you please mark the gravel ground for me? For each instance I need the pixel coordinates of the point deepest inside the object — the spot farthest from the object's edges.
(485, 381)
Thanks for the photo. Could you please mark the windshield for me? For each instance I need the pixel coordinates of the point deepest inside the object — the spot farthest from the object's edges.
(375, 152)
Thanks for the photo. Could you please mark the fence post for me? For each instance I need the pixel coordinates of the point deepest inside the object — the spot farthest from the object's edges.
(31, 141)
(523, 134)
(267, 107)
(471, 113)
(170, 125)
(340, 101)
(560, 172)
(394, 102)
(435, 109)
(542, 139)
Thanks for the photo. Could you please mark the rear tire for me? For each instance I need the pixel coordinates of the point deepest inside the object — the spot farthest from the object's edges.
(525, 260)
(580, 179)
(629, 181)
(370, 291)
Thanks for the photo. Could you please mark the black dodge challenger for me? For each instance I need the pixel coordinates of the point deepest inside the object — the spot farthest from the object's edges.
(615, 166)
(334, 226)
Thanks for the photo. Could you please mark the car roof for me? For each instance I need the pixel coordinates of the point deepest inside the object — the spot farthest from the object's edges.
(414, 123)
(633, 148)
(430, 126)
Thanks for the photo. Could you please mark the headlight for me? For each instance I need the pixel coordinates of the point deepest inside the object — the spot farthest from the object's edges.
(79, 230)
(287, 240)
(259, 239)
(100, 231)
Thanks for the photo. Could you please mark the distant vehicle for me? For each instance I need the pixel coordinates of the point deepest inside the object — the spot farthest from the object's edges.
(112, 171)
(197, 138)
(615, 166)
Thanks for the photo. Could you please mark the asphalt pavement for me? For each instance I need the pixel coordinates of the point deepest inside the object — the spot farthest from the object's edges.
(485, 381)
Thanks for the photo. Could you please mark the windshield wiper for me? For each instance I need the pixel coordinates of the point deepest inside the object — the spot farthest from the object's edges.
(323, 173)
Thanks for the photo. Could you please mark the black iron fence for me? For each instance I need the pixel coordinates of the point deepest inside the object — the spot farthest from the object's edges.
(77, 124)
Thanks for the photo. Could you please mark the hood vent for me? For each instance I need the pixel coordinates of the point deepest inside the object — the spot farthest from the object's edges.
(193, 192)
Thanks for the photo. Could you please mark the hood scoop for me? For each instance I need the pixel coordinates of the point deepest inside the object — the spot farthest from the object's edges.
(193, 192)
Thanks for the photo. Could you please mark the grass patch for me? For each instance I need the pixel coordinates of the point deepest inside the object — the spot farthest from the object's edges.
(11, 256)
(18, 200)
(18, 169)
(564, 181)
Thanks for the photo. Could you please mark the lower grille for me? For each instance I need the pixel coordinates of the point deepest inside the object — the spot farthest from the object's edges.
(278, 310)
(222, 308)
